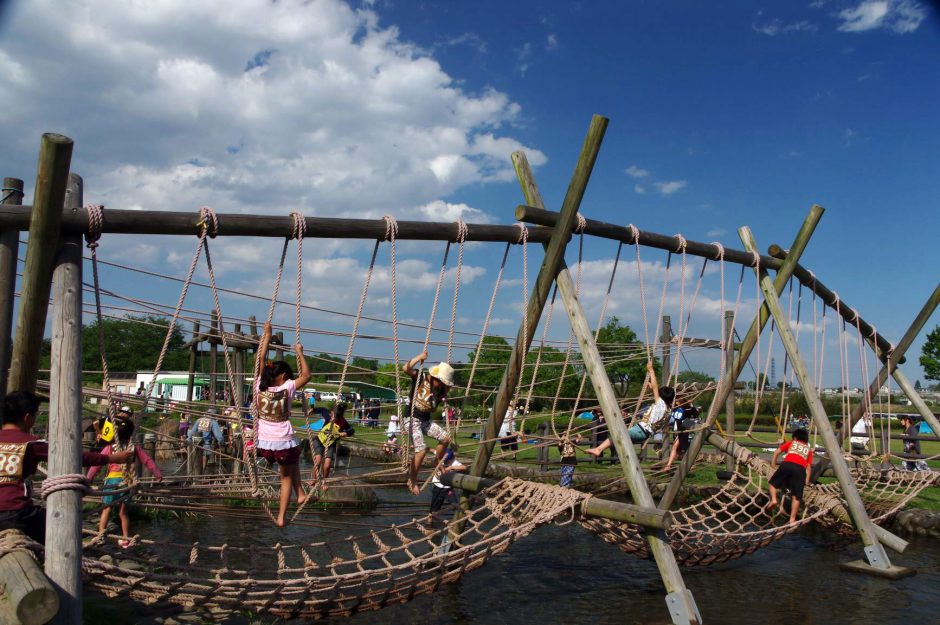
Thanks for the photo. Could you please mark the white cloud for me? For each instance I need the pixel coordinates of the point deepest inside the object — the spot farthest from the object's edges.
(250, 106)
(637, 172)
(775, 27)
(716, 232)
(523, 56)
(900, 16)
(670, 187)
(640, 189)
(551, 42)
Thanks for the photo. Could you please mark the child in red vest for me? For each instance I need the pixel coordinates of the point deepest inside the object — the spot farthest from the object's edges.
(793, 473)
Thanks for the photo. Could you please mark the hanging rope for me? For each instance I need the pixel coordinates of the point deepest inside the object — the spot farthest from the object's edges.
(95, 224)
(462, 232)
(391, 233)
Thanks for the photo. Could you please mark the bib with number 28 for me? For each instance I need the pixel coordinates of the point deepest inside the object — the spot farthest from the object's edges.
(11, 461)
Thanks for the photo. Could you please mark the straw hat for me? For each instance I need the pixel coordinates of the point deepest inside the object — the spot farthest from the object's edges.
(443, 372)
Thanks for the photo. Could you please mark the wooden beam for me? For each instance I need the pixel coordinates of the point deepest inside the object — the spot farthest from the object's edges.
(666, 349)
(595, 506)
(893, 358)
(874, 551)
(808, 279)
(193, 352)
(64, 507)
(55, 156)
(916, 400)
(9, 247)
(726, 384)
(28, 597)
(679, 599)
(554, 257)
(119, 221)
(728, 355)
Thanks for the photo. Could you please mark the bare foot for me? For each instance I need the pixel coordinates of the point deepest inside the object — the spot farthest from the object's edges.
(324, 487)
(281, 522)
(301, 498)
(593, 452)
(769, 508)
(413, 487)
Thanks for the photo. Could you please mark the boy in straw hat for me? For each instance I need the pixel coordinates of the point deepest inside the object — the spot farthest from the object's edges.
(428, 389)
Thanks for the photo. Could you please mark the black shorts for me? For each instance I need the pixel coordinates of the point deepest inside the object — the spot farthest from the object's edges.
(509, 443)
(31, 521)
(791, 477)
(441, 496)
(684, 441)
(328, 453)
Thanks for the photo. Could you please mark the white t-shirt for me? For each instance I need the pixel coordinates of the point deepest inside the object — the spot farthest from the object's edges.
(860, 428)
(456, 465)
(654, 414)
(509, 424)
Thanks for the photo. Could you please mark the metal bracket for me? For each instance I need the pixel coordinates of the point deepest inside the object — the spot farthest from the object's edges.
(682, 608)
(877, 557)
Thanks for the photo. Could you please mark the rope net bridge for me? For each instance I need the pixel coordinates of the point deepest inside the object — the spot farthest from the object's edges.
(316, 580)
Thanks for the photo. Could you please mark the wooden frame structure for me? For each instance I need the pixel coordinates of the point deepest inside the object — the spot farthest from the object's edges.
(55, 243)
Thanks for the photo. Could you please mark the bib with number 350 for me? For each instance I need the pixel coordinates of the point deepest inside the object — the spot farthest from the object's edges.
(11, 461)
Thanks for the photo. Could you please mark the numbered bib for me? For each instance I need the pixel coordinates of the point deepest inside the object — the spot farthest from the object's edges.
(107, 431)
(11, 461)
(800, 449)
(204, 425)
(274, 406)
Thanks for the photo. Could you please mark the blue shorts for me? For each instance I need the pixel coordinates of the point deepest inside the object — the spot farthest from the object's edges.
(115, 483)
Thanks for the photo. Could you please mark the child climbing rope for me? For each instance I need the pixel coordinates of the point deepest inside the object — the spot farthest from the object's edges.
(792, 475)
(681, 420)
(20, 454)
(276, 442)
(428, 389)
(326, 443)
(644, 428)
(121, 475)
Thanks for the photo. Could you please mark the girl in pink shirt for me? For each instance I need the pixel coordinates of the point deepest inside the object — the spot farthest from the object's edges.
(274, 394)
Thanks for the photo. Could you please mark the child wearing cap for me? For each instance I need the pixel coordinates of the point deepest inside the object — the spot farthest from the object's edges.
(428, 389)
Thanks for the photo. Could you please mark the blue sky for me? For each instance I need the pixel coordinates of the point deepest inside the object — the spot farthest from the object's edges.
(722, 114)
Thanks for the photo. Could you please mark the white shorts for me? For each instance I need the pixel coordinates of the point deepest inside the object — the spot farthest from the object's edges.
(420, 429)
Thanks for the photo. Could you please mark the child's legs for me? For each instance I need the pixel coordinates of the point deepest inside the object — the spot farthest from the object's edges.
(673, 452)
(125, 517)
(103, 521)
(773, 495)
(317, 464)
(287, 481)
(794, 508)
(327, 464)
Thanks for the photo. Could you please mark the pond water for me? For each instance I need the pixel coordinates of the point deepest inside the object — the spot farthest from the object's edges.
(565, 575)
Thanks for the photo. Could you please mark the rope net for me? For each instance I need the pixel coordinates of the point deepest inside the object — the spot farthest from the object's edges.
(316, 580)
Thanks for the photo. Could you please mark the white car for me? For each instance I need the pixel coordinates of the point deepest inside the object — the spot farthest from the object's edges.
(328, 396)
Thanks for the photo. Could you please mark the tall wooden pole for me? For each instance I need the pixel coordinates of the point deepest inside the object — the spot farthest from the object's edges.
(193, 352)
(12, 193)
(726, 384)
(666, 347)
(679, 599)
(554, 257)
(730, 409)
(52, 174)
(64, 508)
(214, 356)
(874, 551)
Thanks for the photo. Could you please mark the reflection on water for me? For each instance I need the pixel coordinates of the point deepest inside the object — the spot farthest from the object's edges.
(564, 575)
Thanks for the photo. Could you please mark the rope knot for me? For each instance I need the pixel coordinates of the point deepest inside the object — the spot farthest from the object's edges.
(69, 481)
(682, 244)
(208, 222)
(523, 233)
(462, 231)
(581, 225)
(635, 232)
(756, 261)
(721, 251)
(299, 225)
(391, 228)
(95, 224)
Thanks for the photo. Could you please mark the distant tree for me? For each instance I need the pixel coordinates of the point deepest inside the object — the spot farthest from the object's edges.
(385, 376)
(615, 341)
(694, 377)
(356, 370)
(917, 385)
(930, 355)
(131, 344)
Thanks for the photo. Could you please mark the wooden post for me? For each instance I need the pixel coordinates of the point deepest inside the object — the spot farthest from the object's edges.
(64, 508)
(726, 385)
(279, 346)
(239, 381)
(679, 599)
(193, 353)
(12, 193)
(554, 257)
(55, 156)
(667, 351)
(28, 597)
(874, 551)
(730, 408)
(543, 453)
(216, 333)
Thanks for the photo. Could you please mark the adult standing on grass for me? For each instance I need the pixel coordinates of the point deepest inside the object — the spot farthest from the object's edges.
(274, 393)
